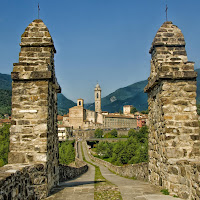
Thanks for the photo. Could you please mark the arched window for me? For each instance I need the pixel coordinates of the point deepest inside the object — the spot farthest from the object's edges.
(97, 95)
(79, 103)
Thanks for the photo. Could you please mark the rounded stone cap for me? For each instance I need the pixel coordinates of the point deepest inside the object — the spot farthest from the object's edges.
(36, 34)
(168, 35)
(97, 85)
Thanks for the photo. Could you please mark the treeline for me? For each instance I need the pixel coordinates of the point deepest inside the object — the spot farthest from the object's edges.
(4, 144)
(5, 102)
(132, 151)
(66, 152)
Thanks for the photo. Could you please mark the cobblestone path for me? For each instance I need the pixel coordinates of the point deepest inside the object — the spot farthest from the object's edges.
(132, 189)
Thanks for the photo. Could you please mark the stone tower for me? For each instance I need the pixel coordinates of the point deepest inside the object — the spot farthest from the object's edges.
(173, 124)
(97, 97)
(33, 136)
(80, 102)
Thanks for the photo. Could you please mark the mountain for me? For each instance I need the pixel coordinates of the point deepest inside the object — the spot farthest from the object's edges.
(6, 93)
(5, 82)
(132, 95)
(64, 104)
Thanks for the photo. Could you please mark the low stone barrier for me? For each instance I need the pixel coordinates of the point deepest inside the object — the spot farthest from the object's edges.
(138, 171)
(68, 172)
(23, 181)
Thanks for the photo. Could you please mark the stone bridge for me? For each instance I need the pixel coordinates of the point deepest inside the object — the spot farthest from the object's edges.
(174, 145)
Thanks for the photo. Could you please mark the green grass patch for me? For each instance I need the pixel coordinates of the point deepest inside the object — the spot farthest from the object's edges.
(165, 191)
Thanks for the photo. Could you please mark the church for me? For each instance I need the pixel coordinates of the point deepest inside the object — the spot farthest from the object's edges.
(81, 118)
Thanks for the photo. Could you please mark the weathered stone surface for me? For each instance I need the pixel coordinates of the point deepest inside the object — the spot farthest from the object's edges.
(23, 181)
(173, 125)
(69, 172)
(34, 105)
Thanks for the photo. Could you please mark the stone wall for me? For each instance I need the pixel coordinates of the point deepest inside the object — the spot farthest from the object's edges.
(173, 124)
(88, 134)
(33, 136)
(23, 181)
(138, 171)
(68, 172)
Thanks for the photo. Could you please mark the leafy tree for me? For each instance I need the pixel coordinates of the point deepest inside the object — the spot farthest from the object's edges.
(145, 111)
(98, 133)
(66, 153)
(104, 149)
(112, 134)
(134, 150)
(131, 132)
(4, 144)
(133, 110)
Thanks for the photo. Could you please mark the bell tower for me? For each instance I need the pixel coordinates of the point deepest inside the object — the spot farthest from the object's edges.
(97, 97)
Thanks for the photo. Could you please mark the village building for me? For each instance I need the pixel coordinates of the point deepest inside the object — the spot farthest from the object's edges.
(81, 118)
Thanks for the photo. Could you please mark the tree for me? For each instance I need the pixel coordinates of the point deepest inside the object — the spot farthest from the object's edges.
(114, 133)
(131, 132)
(4, 144)
(98, 133)
(145, 111)
(133, 110)
(66, 153)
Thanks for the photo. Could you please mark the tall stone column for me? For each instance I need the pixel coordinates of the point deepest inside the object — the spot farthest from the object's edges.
(33, 137)
(174, 144)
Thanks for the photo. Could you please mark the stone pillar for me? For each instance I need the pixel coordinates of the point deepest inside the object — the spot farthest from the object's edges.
(97, 98)
(33, 137)
(174, 144)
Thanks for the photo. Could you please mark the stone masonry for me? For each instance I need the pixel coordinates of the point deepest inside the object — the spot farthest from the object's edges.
(33, 137)
(174, 145)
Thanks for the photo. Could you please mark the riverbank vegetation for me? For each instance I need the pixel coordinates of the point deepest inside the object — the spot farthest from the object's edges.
(132, 151)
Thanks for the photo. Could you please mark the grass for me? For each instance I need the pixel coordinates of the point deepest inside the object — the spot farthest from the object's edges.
(133, 178)
(165, 191)
(103, 189)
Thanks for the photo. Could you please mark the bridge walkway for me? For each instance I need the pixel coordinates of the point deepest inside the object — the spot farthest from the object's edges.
(81, 188)
(132, 189)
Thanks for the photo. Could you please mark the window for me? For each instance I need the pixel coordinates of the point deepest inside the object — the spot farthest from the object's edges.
(97, 95)
(79, 103)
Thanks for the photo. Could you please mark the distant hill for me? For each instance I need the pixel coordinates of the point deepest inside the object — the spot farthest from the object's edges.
(5, 99)
(64, 104)
(132, 95)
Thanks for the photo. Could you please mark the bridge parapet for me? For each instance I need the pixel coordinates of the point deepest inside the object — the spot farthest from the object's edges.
(23, 181)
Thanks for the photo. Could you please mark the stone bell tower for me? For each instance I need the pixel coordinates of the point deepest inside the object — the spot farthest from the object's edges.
(97, 97)
(33, 136)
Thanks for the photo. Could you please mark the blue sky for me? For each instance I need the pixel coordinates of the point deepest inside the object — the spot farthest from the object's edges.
(98, 40)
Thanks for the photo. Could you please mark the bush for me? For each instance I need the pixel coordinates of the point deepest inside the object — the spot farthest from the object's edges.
(132, 151)
(66, 153)
(98, 133)
(4, 144)
(112, 134)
